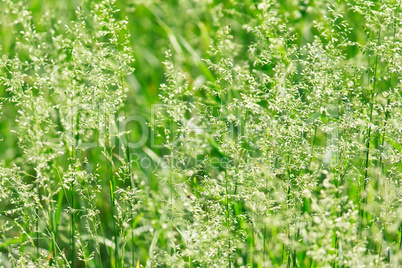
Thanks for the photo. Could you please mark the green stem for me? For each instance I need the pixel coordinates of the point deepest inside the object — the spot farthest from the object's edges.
(37, 233)
(72, 226)
(112, 183)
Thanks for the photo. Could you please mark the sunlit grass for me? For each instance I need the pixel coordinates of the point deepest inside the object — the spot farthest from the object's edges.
(200, 133)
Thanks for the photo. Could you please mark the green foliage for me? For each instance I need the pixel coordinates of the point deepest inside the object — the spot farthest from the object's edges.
(244, 134)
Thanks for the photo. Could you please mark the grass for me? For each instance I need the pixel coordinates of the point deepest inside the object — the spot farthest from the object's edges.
(200, 133)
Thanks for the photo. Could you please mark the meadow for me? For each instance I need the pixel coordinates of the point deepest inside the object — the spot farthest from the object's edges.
(200, 133)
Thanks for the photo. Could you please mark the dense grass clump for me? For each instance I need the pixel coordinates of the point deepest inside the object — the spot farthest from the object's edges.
(200, 133)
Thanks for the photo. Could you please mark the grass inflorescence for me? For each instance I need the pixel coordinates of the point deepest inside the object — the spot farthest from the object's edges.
(200, 133)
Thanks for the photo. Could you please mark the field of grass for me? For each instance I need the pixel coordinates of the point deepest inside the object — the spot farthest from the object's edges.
(200, 133)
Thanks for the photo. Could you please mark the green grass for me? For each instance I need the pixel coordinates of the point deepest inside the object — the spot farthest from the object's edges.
(200, 133)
